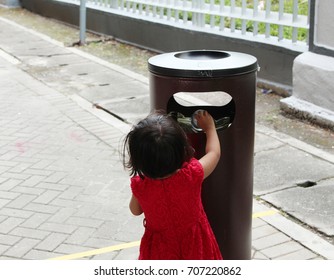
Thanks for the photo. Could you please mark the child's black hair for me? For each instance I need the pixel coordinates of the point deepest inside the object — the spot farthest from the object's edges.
(157, 146)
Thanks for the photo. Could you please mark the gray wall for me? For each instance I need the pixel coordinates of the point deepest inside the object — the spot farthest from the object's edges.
(275, 62)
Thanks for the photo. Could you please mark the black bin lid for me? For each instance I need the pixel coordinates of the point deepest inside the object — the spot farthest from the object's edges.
(202, 63)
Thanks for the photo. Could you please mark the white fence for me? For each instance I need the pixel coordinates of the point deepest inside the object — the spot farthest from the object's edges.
(266, 21)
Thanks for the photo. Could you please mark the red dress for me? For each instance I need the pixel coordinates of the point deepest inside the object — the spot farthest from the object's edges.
(176, 226)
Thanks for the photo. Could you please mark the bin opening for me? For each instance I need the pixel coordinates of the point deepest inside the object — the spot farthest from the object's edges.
(182, 106)
(202, 55)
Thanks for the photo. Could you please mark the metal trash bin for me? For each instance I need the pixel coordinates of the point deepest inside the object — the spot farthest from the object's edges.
(227, 192)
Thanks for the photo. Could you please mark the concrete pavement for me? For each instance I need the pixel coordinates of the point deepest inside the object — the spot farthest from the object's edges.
(63, 191)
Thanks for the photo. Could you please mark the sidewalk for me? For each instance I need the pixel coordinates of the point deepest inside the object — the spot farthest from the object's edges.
(63, 191)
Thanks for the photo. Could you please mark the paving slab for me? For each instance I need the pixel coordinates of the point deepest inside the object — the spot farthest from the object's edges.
(312, 205)
(120, 90)
(285, 166)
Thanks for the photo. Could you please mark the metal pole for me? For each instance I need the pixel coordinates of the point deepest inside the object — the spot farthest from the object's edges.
(82, 40)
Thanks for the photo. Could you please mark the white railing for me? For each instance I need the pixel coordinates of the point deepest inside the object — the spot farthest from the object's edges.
(265, 21)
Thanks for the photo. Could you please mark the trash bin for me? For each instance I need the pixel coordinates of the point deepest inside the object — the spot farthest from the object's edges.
(227, 192)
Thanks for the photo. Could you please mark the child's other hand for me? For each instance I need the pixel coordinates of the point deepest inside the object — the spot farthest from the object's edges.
(204, 120)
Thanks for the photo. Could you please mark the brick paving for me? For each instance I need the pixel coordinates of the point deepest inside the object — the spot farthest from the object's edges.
(58, 179)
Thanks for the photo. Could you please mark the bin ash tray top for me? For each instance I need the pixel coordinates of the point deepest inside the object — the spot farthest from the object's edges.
(202, 63)
(210, 98)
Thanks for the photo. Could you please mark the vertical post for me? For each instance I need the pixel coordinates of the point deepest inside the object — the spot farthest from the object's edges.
(194, 18)
(82, 40)
(294, 19)
(280, 18)
(255, 14)
(201, 15)
(161, 11)
(147, 10)
(268, 11)
(169, 12)
(243, 12)
(185, 13)
(212, 17)
(154, 11)
(177, 12)
(114, 4)
(232, 28)
(222, 19)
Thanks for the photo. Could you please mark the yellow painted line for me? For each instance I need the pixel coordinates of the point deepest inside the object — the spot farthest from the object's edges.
(98, 251)
(264, 214)
(135, 243)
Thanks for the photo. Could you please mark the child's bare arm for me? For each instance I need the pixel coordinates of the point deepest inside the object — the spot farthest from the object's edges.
(212, 149)
(135, 207)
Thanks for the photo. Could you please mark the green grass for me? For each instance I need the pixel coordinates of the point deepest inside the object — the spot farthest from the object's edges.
(274, 29)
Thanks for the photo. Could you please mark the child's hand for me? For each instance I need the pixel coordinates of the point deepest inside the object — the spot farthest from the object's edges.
(212, 148)
(204, 120)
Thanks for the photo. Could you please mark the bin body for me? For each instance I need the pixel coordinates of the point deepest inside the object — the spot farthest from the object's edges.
(227, 192)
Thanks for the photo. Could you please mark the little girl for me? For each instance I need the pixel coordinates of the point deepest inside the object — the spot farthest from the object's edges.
(166, 187)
